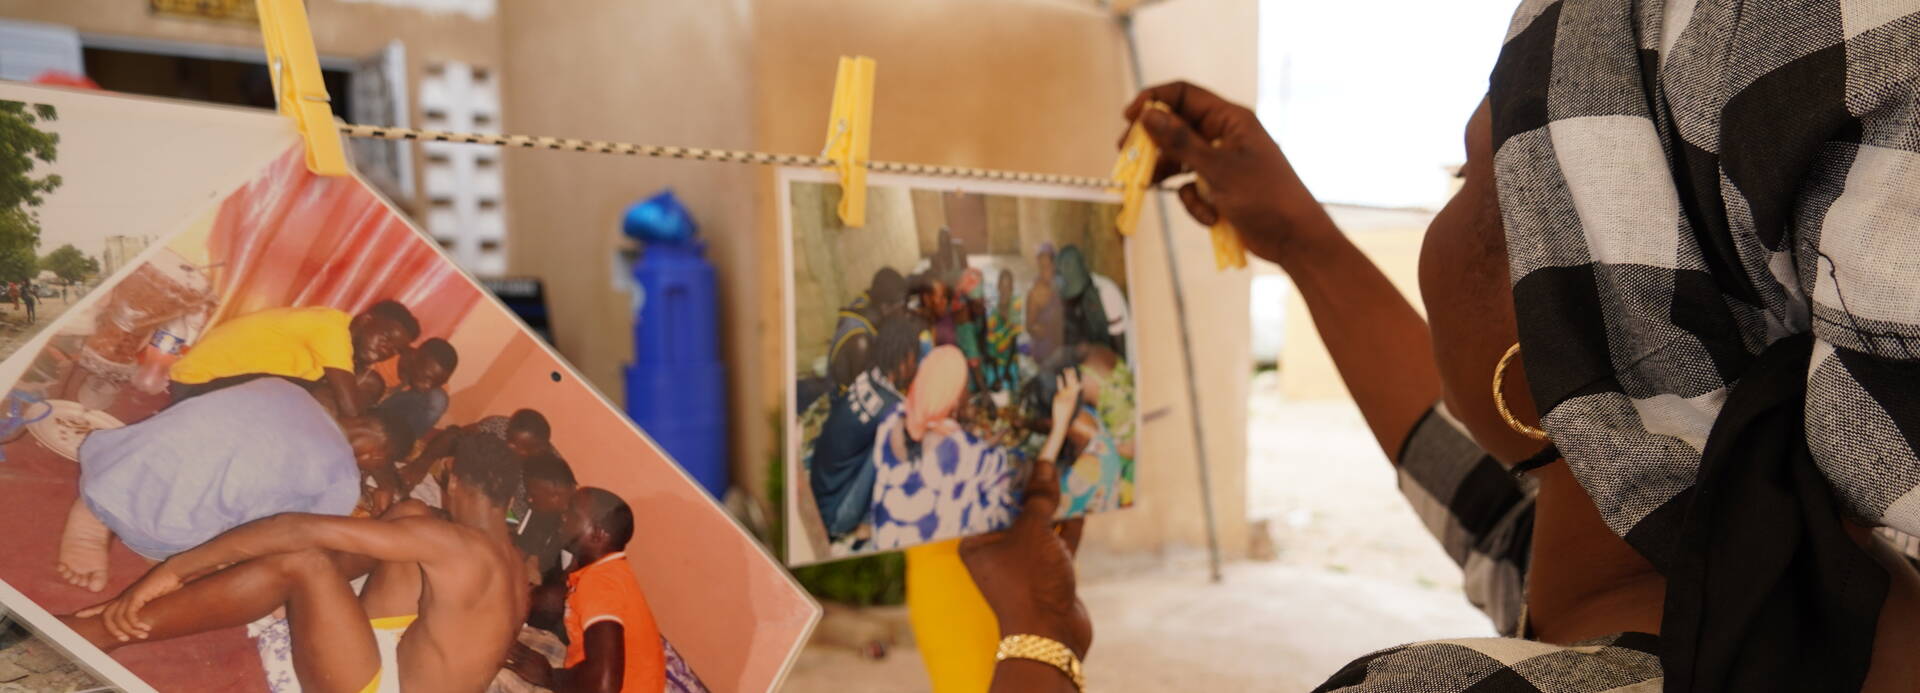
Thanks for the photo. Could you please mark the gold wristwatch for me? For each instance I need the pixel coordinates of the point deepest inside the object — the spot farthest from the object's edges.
(1045, 650)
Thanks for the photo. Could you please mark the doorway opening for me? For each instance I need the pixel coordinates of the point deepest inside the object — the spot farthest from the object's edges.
(199, 78)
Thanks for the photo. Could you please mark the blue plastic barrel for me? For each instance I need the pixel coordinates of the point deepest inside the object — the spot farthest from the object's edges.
(676, 385)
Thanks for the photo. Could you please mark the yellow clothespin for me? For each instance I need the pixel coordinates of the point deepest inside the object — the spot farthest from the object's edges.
(1134, 170)
(850, 136)
(297, 83)
(1228, 251)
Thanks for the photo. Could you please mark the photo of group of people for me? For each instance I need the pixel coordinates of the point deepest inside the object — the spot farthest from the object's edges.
(941, 350)
(292, 443)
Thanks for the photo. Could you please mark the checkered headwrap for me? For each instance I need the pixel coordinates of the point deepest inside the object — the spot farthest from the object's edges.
(1684, 182)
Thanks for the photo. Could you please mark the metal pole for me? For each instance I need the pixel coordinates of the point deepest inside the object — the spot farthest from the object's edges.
(1186, 339)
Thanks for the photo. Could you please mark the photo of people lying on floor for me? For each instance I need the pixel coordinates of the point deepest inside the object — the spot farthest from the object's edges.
(293, 444)
(932, 349)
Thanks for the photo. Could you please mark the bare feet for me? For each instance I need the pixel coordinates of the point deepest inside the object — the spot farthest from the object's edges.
(83, 549)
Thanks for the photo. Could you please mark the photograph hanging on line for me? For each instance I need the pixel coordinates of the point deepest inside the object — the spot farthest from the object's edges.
(292, 398)
(968, 330)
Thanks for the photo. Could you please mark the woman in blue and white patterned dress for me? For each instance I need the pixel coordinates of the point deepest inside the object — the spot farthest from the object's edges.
(935, 480)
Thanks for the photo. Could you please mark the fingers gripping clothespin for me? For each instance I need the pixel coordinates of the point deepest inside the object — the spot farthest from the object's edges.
(850, 136)
(297, 83)
(1134, 169)
(1228, 251)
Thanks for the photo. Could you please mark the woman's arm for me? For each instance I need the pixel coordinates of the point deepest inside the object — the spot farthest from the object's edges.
(1378, 341)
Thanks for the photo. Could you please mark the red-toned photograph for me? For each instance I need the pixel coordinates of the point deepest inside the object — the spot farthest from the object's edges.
(290, 441)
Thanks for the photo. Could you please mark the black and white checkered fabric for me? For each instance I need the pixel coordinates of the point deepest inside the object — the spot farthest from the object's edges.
(1684, 182)
(1481, 514)
(1624, 663)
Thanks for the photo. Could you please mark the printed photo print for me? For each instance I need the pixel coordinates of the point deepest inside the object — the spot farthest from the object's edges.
(291, 441)
(938, 352)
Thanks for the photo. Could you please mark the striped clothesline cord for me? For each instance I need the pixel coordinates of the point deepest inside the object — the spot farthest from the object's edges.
(721, 155)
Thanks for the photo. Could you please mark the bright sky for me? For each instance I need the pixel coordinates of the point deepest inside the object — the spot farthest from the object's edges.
(141, 167)
(1369, 99)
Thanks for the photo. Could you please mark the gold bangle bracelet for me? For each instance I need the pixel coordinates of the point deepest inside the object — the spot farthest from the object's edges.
(1046, 651)
(1500, 398)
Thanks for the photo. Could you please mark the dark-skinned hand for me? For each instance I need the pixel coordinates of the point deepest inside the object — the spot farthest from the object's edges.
(1250, 184)
(1026, 571)
(121, 615)
(529, 665)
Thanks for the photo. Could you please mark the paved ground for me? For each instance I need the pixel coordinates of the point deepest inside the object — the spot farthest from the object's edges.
(16, 331)
(1353, 572)
(30, 665)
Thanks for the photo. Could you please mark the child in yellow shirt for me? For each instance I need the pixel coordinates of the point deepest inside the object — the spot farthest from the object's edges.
(313, 344)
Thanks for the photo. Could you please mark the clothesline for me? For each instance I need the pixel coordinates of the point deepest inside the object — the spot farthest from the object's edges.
(720, 155)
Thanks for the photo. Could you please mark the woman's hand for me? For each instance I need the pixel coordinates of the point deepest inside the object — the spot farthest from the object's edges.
(1026, 572)
(1249, 182)
(121, 615)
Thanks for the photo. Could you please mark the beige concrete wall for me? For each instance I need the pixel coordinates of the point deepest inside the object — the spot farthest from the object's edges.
(654, 72)
(340, 29)
(1391, 238)
(1214, 43)
(348, 30)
